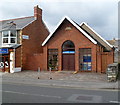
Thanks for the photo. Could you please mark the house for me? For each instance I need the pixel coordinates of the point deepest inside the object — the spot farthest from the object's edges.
(76, 47)
(20, 40)
(116, 44)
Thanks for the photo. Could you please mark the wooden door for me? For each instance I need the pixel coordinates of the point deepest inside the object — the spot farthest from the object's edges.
(104, 63)
(68, 62)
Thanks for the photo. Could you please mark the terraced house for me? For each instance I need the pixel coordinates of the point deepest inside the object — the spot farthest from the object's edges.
(27, 44)
(20, 39)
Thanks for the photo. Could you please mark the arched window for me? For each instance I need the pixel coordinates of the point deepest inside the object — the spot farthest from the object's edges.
(68, 47)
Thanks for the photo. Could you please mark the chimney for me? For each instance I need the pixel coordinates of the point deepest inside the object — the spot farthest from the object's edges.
(37, 12)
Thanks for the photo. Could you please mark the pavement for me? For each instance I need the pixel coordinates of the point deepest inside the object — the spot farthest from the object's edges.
(86, 80)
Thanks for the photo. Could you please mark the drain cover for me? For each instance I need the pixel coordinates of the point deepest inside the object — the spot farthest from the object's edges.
(85, 98)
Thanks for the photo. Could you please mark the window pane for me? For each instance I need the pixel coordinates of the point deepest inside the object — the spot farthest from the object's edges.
(5, 40)
(12, 40)
(85, 59)
(13, 33)
(68, 46)
(53, 59)
(5, 33)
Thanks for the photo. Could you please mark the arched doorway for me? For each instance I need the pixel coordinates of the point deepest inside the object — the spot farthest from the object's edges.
(68, 55)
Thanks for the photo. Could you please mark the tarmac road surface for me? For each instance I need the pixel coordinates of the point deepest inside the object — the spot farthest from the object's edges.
(27, 93)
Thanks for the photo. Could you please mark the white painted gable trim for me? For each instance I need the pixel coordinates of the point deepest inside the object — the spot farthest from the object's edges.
(74, 24)
(50, 35)
(45, 25)
(97, 34)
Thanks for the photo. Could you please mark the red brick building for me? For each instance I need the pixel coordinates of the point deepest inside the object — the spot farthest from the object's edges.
(20, 40)
(26, 45)
(76, 47)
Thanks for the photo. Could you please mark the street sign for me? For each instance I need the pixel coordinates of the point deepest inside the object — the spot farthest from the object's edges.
(3, 50)
(25, 36)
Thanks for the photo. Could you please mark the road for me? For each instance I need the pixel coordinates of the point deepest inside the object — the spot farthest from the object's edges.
(26, 93)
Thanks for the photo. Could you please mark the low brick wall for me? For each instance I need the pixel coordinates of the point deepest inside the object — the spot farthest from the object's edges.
(34, 61)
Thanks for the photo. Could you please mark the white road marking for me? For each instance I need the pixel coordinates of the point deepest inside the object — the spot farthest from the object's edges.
(32, 94)
(114, 101)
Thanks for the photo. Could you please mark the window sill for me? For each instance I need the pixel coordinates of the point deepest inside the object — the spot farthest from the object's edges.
(9, 45)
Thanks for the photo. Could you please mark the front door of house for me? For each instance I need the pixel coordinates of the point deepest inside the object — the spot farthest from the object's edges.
(68, 61)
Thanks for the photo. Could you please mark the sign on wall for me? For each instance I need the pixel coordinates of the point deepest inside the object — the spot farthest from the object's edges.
(68, 52)
(2, 64)
(4, 51)
(25, 36)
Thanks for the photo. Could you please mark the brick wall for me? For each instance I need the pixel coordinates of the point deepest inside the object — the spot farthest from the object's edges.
(34, 62)
(80, 41)
(37, 33)
(77, 38)
(103, 59)
(18, 57)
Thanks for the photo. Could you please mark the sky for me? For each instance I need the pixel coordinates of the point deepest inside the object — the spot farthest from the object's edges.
(101, 15)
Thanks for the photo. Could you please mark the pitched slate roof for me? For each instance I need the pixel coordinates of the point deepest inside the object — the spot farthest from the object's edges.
(96, 36)
(17, 23)
(115, 43)
(74, 24)
(112, 42)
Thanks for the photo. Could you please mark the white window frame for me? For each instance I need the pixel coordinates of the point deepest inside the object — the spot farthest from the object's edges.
(9, 37)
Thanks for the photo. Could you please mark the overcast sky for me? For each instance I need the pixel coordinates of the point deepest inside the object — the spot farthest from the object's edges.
(101, 15)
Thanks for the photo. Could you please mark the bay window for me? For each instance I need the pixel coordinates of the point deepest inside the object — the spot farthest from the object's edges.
(9, 37)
